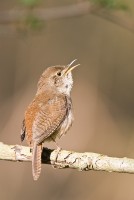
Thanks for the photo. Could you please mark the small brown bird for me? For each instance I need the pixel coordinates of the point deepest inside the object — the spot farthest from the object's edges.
(50, 113)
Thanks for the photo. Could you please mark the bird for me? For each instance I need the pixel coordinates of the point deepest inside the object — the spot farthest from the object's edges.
(49, 115)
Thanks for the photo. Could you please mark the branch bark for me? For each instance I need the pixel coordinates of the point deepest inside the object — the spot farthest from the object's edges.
(73, 10)
(69, 159)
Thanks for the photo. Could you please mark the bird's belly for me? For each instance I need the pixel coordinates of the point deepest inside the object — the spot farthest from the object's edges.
(66, 124)
(64, 127)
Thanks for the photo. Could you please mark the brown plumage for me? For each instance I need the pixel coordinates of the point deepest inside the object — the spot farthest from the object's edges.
(50, 113)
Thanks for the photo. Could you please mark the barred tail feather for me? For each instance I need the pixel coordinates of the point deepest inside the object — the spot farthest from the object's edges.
(36, 161)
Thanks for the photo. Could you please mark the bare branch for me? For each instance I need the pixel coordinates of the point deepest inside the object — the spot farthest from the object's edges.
(73, 10)
(46, 13)
(69, 159)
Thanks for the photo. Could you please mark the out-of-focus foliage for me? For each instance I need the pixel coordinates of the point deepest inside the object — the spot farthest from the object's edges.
(111, 4)
(33, 22)
(29, 2)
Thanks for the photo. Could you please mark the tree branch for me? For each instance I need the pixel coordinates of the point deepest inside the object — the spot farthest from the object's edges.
(73, 10)
(45, 14)
(69, 159)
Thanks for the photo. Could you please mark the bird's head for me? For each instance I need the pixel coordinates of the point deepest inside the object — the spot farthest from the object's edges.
(57, 78)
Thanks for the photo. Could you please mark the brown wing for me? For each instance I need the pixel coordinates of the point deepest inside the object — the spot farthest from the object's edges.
(49, 118)
(30, 114)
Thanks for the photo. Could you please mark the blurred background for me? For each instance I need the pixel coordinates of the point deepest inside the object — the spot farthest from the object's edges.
(100, 34)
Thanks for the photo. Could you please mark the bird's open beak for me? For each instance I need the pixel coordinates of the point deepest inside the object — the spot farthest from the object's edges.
(69, 67)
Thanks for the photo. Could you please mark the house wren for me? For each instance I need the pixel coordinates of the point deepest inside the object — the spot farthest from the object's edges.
(50, 113)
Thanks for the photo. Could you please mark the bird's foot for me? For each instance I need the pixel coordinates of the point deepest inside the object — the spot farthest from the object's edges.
(56, 157)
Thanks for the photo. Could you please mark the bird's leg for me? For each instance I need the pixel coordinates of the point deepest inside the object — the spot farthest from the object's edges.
(58, 150)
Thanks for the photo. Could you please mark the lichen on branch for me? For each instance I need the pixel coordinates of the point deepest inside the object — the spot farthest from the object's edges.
(69, 159)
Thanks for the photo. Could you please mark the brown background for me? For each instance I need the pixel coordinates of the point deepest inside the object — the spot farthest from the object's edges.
(103, 101)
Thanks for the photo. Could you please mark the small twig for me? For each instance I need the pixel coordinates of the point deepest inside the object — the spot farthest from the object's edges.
(115, 18)
(69, 159)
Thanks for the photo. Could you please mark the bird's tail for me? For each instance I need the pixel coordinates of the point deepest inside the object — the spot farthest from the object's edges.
(36, 161)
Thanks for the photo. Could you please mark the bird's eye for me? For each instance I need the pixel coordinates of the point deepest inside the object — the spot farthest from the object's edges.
(59, 73)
